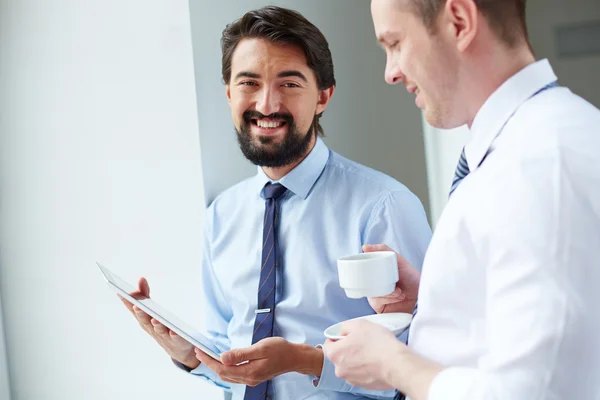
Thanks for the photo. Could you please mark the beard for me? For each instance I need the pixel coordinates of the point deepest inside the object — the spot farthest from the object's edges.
(263, 151)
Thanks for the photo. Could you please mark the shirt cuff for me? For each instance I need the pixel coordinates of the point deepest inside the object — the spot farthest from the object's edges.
(182, 366)
(203, 371)
(328, 380)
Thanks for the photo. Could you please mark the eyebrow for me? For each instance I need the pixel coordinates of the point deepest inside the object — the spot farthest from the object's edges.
(282, 74)
(383, 38)
(291, 73)
(246, 74)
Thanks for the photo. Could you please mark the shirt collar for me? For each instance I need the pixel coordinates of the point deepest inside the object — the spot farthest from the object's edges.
(302, 178)
(501, 105)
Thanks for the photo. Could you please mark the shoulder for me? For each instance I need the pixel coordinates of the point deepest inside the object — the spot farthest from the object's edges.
(362, 177)
(231, 198)
(556, 129)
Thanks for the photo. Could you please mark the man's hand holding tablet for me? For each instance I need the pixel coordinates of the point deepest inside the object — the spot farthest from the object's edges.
(174, 336)
(176, 347)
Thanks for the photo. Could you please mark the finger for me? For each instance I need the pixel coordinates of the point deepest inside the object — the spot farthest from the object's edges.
(354, 326)
(237, 356)
(228, 374)
(159, 328)
(178, 340)
(330, 348)
(251, 373)
(144, 287)
(368, 248)
(207, 360)
(396, 295)
(141, 316)
(127, 303)
(402, 262)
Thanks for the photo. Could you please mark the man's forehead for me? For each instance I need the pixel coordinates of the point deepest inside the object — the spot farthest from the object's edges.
(261, 53)
(390, 23)
(257, 47)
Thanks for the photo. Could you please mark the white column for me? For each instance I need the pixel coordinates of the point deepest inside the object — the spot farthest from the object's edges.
(442, 151)
(99, 160)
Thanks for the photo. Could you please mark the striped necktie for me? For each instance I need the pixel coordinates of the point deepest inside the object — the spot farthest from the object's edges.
(263, 323)
(462, 170)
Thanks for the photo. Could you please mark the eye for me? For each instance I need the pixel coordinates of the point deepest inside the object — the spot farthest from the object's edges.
(291, 85)
(395, 45)
(248, 83)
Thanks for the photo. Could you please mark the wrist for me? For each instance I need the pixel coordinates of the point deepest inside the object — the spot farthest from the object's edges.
(390, 365)
(191, 362)
(308, 360)
(409, 372)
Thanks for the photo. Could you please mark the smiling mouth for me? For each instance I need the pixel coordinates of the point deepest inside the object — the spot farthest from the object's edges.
(267, 124)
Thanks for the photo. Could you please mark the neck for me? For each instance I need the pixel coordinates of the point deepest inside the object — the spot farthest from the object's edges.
(490, 71)
(276, 173)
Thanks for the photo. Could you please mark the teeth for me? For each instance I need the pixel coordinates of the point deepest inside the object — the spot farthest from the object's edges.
(265, 124)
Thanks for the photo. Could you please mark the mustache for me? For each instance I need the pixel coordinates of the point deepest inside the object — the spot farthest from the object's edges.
(249, 114)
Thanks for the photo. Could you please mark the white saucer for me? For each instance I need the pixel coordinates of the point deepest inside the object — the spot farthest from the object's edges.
(395, 322)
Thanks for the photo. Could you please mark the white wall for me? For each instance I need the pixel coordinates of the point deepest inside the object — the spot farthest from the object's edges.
(442, 150)
(99, 160)
(367, 120)
(580, 74)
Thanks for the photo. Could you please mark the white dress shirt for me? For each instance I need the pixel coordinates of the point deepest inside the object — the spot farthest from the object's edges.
(510, 292)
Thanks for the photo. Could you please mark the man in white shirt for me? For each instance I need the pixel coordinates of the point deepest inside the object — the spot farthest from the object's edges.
(508, 303)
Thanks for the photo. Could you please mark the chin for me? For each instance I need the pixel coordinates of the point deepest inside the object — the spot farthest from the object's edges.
(439, 120)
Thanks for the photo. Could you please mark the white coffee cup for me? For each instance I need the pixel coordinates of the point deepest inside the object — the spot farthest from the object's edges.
(368, 274)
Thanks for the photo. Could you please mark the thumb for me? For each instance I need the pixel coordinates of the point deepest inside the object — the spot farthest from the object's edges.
(144, 287)
(369, 248)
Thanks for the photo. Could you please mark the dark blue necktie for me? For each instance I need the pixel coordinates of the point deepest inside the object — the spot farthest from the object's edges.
(263, 324)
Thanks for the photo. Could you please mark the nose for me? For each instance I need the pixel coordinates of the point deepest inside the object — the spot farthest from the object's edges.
(393, 73)
(269, 101)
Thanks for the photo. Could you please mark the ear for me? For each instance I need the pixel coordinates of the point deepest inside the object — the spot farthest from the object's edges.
(228, 93)
(462, 17)
(323, 100)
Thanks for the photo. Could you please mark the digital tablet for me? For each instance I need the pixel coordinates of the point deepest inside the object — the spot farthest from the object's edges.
(124, 289)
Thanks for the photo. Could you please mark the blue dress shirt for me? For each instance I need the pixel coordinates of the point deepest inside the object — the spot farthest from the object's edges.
(332, 207)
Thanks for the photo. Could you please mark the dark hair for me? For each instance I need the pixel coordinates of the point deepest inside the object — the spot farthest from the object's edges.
(506, 17)
(281, 26)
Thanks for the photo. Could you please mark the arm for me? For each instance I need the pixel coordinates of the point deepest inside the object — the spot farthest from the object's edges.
(217, 313)
(402, 224)
(539, 251)
(398, 220)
